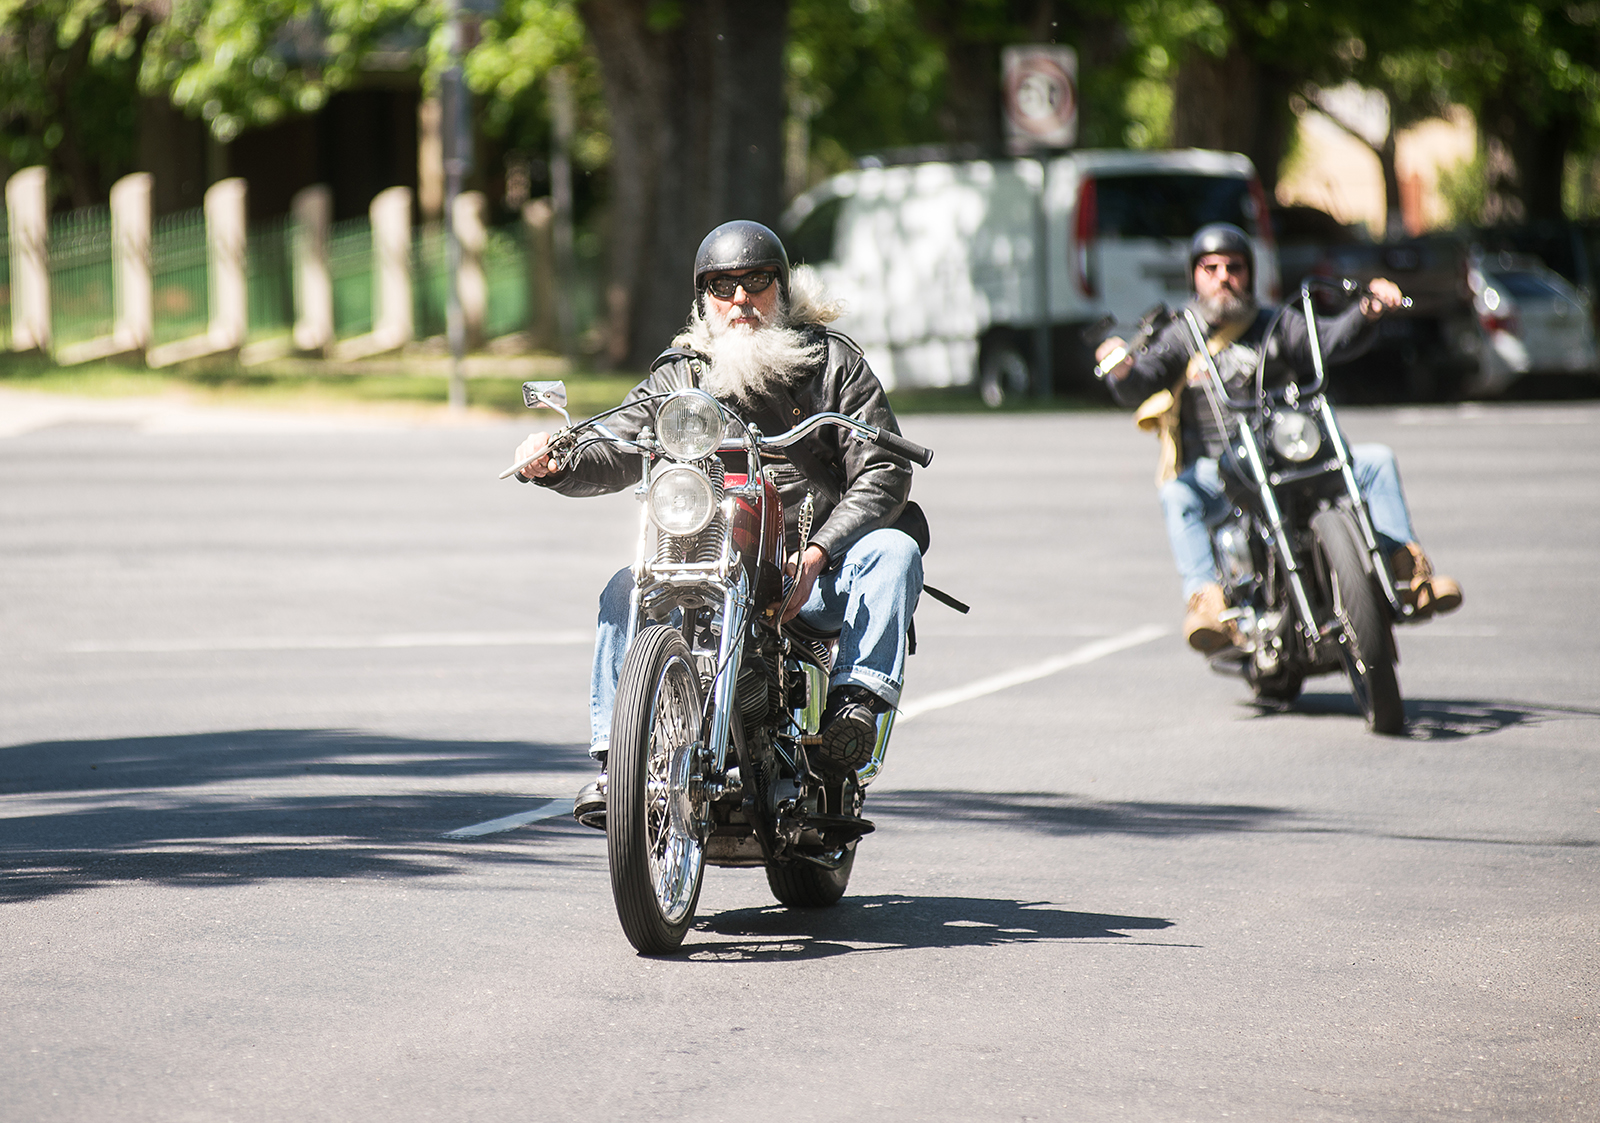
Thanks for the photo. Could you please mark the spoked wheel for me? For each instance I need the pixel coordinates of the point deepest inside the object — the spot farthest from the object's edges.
(1367, 650)
(655, 805)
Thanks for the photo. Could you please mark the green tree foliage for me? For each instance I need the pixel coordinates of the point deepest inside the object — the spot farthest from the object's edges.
(238, 63)
(68, 81)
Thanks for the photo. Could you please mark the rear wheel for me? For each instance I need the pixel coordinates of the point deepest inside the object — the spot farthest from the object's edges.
(804, 885)
(1279, 688)
(1003, 376)
(1367, 648)
(655, 805)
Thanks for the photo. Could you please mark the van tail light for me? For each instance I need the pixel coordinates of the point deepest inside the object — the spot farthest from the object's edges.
(1508, 322)
(1258, 196)
(1084, 237)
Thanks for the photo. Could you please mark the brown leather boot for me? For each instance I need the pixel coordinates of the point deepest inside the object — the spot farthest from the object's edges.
(1426, 591)
(1204, 627)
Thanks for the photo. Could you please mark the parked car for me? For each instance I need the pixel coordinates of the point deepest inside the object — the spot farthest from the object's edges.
(1427, 352)
(1533, 321)
(940, 268)
(1572, 249)
(1304, 236)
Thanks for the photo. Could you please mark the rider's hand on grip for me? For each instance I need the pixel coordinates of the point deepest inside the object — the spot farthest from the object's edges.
(534, 459)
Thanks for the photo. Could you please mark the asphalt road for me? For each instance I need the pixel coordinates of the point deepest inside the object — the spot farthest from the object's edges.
(254, 672)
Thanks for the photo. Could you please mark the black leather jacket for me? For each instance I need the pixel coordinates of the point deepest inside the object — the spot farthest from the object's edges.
(857, 487)
(1160, 366)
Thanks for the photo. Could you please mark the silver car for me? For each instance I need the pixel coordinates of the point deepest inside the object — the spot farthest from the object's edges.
(1531, 321)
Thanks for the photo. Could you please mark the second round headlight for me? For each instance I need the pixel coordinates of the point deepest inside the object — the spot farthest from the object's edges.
(1295, 436)
(681, 500)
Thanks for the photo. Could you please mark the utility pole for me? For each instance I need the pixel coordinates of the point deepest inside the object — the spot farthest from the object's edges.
(563, 117)
(455, 109)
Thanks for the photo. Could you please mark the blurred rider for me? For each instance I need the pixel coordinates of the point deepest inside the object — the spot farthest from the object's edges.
(1166, 382)
(757, 340)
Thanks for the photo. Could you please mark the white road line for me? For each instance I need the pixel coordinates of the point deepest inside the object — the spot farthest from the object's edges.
(549, 809)
(1088, 653)
(334, 643)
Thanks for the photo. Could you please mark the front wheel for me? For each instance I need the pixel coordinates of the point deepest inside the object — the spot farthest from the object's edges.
(1367, 649)
(655, 803)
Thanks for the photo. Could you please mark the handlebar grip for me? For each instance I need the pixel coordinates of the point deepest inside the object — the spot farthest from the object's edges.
(898, 445)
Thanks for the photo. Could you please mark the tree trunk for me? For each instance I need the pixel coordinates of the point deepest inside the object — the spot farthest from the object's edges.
(1234, 103)
(697, 112)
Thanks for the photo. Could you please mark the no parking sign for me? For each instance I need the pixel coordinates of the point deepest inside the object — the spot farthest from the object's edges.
(1040, 86)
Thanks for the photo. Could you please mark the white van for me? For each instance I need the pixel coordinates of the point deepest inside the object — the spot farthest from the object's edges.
(937, 267)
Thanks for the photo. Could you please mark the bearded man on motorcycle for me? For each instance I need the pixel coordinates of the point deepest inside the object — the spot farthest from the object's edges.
(1222, 262)
(757, 337)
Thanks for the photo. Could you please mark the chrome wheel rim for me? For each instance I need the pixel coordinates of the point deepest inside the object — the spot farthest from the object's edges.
(672, 806)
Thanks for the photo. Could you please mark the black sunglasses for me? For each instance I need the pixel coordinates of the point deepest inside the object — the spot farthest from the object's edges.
(723, 286)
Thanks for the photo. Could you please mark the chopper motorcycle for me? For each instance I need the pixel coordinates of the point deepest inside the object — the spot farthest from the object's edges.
(1309, 588)
(717, 703)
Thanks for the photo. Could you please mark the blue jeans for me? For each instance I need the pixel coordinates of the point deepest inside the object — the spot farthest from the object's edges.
(867, 596)
(1194, 502)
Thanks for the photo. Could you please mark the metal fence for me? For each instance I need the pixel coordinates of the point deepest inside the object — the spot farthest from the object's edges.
(505, 268)
(82, 302)
(83, 296)
(430, 280)
(269, 266)
(5, 282)
(350, 272)
(179, 279)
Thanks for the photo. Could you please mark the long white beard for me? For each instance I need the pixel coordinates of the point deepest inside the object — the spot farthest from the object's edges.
(749, 364)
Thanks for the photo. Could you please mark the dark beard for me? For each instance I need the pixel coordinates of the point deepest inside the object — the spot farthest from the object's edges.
(1226, 308)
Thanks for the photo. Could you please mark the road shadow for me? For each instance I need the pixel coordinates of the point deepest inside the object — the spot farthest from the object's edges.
(901, 922)
(254, 754)
(232, 808)
(1437, 719)
(1066, 814)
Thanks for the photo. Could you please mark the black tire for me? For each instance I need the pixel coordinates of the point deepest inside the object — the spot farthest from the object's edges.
(653, 837)
(1004, 375)
(1367, 650)
(1278, 689)
(804, 885)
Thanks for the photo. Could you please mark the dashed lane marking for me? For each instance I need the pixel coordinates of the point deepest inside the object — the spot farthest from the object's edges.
(1088, 653)
(549, 809)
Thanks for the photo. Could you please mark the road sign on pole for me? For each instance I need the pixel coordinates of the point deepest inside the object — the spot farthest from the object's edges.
(1040, 87)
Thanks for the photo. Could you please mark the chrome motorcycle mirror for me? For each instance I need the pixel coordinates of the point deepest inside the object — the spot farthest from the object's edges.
(551, 394)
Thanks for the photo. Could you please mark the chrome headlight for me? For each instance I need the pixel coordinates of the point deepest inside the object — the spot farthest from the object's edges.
(1295, 436)
(689, 426)
(682, 500)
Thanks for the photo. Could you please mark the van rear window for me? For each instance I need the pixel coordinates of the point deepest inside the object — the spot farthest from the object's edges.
(1170, 206)
(812, 241)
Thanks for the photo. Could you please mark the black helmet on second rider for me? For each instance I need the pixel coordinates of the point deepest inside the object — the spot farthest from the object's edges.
(1221, 237)
(737, 246)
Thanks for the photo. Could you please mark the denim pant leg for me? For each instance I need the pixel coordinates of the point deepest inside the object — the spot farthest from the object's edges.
(610, 648)
(1378, 478)
(869, 597)
(1192, 502)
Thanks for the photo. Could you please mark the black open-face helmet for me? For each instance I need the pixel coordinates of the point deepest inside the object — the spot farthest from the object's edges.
(1222, 237)
(737, 246)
